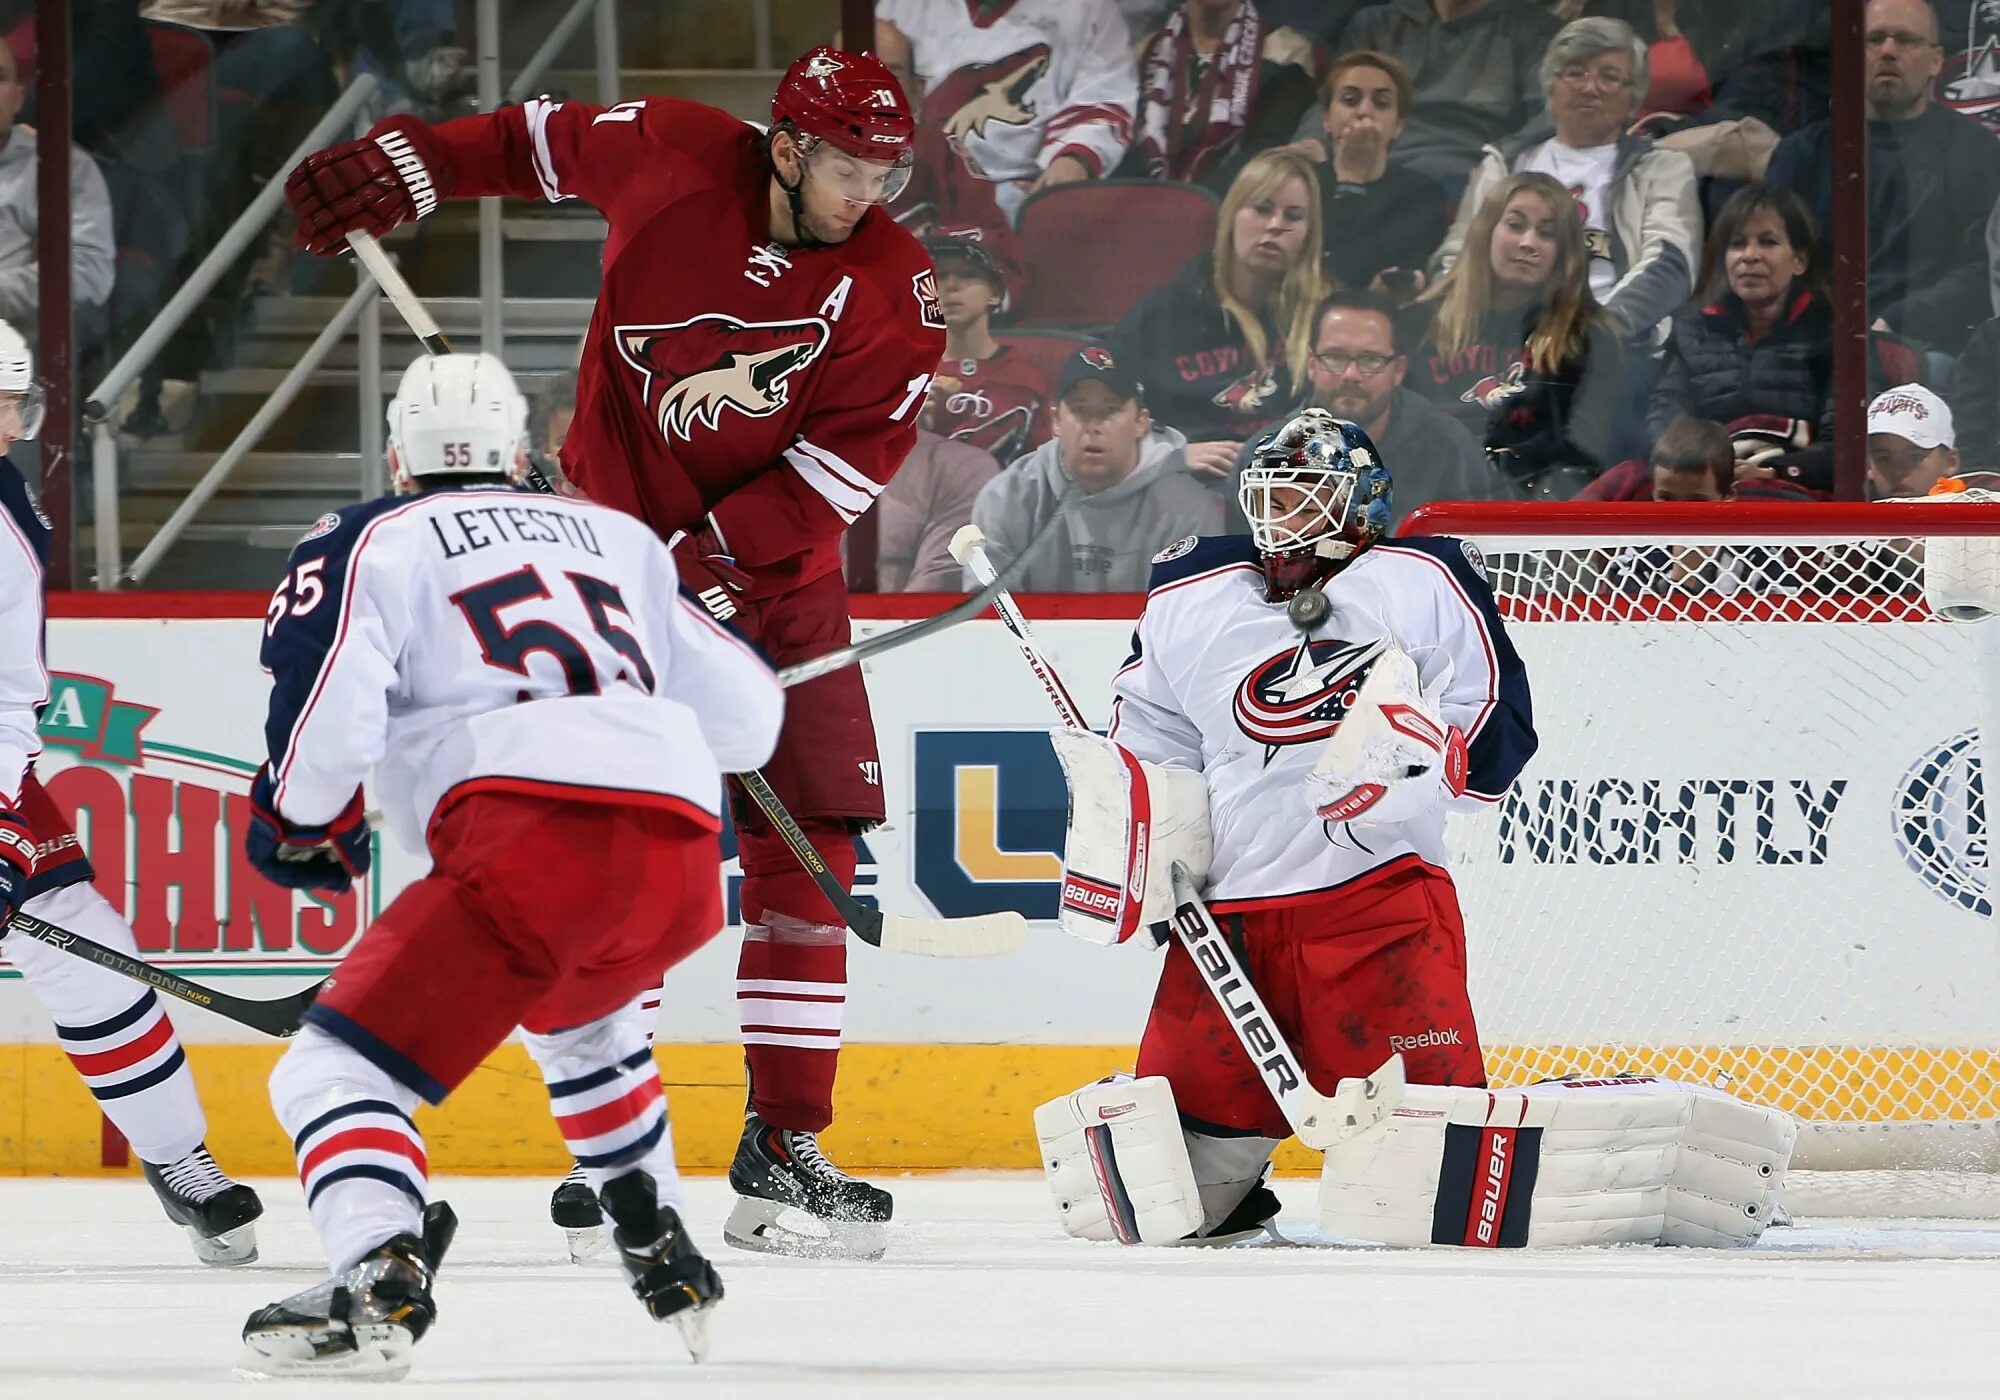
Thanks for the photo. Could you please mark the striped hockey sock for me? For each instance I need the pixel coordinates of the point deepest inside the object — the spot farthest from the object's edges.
(604, 1091)
(134, 1066)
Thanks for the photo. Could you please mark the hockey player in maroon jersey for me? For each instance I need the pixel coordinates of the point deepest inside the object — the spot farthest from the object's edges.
(751, 378)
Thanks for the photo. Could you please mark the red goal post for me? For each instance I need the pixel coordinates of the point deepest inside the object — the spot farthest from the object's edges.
(1752, 848)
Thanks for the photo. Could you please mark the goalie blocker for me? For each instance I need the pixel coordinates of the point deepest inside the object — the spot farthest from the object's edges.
(1627, 1160)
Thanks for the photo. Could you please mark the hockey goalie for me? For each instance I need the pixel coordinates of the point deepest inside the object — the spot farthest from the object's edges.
(1300, 711)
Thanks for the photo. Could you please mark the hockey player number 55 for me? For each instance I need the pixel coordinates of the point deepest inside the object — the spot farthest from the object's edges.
(509, 647)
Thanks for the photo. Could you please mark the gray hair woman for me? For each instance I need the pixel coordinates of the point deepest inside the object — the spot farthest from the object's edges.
(1641, 215)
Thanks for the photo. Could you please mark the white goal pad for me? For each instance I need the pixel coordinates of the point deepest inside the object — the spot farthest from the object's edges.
(1752, 850)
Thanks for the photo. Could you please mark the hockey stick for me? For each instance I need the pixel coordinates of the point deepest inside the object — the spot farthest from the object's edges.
(980, 936)
(281, 1016)
(1320, 1121)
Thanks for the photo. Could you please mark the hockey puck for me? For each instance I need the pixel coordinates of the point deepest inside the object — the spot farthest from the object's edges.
(1308, 609)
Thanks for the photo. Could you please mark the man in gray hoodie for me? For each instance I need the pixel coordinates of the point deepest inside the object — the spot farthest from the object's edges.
(1134, 494)
(94, 259)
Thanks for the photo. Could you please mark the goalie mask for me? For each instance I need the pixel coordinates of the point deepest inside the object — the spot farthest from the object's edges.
(458, 415)
(1316, 494)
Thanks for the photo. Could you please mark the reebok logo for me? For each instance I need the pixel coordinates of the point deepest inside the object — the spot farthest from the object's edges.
(1423, 1040)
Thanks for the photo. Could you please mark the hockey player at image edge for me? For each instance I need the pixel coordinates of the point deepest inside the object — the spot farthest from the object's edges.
(116, 1034)
(538, 694)
(750, 381)
(1300, 711)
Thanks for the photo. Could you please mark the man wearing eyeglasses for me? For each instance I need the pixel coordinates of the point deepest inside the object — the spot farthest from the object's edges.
(1933, 179)
(1356, 373)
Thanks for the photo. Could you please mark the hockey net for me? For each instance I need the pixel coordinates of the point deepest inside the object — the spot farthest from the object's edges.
(1752, 849)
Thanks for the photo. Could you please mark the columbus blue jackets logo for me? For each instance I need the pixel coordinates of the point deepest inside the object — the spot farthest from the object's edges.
(1302, 695)
(696, 371)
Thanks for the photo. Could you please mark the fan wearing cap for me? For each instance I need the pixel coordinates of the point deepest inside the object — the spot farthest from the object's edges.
(988, 394)
(1133, 493)
(753, 373)
(1911, 446)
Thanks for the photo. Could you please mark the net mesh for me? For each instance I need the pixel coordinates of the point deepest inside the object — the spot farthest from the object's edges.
(1751, 850)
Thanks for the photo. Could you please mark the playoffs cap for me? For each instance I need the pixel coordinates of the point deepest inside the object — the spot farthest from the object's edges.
(969, 251)
(1096, 362)
(1912, 412)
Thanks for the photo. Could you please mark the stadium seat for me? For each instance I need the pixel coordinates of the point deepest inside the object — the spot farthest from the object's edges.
(1045, 350)
(1096, 247)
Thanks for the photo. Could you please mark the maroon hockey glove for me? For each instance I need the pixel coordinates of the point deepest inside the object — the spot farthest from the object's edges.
(712, 576)
(392, 175)
(17, 861)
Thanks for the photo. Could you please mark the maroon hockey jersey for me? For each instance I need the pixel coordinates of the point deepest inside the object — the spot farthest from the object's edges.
(1000, 404)
(775, 390)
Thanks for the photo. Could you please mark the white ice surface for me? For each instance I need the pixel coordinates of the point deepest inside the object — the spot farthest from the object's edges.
(981, 1296)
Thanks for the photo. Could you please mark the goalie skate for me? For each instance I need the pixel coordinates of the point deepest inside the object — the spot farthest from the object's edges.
(792, 1200)
(362, 1325)
(574, 1210)
(216, 1212)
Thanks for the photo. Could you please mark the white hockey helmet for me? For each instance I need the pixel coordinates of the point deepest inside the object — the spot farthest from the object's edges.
(458, 415)
(19, 389)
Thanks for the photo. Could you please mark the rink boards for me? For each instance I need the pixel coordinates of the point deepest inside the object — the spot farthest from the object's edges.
(1856, 982)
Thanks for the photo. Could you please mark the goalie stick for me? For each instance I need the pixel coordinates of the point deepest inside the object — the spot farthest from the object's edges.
(979, 936)
(280, 1016)
(1319, 1120)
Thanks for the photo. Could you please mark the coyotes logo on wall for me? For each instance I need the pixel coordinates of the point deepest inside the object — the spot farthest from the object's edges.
(163, 825)
(697, 370)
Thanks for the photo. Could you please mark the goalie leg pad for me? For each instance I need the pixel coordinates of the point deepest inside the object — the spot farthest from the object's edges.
(1117, 1163)
(1129, 821)
(1631, 1160)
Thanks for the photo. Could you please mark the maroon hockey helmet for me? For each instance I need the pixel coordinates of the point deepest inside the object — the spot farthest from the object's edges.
(849, 100)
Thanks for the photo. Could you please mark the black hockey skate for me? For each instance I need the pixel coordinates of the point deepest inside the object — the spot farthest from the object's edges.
(361, 1325)
(669, 1275)
(574, 1210)
(1256, 1214)
(216, 1211)
(791, 1200)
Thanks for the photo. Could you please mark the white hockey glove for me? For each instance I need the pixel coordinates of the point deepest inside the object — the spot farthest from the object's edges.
(1392, 758)
(1624, 1160)
(1118, 1163)
(1129, 821)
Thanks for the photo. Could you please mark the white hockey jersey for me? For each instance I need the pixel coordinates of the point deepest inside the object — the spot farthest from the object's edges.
(1220, 681)
(1033, 80)
(24, 676)
(485, 637)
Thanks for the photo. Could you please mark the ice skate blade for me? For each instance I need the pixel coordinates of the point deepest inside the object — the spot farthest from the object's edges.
(378, 1352)
(586, 1244)
(693, 1324)
(228, 1249)
(772, 1227)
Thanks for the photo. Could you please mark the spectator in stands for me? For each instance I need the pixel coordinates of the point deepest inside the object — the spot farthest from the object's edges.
(1518, 351)
(1969, 32)
(1760, 343)
(1382, 219)
(1356, 373)
(1217, 84)
(1134, 495)
(1219, 347)
(1693, 461)
(554, 410)
(1911, 446)
(1474, 65)
(1032, 93)
(1691, 46)
(1642, 217)
(1974, 394)
(989, 395)
(926, 502)
(93, 257)
(1933, 179)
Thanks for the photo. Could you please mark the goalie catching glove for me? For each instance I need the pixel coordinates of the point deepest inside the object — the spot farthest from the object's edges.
(1129, 821)
(1392, 758)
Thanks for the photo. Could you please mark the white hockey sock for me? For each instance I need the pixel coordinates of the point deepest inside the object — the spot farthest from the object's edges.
(604, 1090)
(115, 1032)
(361, 1159)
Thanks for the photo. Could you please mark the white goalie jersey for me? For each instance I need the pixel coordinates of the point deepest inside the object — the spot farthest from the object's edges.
(1221, 682)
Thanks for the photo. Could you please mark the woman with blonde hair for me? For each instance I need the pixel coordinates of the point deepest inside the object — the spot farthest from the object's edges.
(1517, 348)
(1221, 348)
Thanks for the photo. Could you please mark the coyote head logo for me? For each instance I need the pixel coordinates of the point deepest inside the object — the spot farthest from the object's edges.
(990, 92)
(696, 369)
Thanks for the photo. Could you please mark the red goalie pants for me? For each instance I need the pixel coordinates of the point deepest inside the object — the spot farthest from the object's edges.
(538, 912)
(1350, 975)
(792, 973)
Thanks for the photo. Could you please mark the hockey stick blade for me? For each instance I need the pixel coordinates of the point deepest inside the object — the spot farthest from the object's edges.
(280, 1017)
(981, 936)
(1319, 1120)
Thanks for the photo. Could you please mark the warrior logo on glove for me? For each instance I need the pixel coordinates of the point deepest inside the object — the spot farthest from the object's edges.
(1300, 696)
(696, 369)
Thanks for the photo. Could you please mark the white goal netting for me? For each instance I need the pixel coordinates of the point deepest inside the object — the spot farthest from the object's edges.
(1752, 849)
